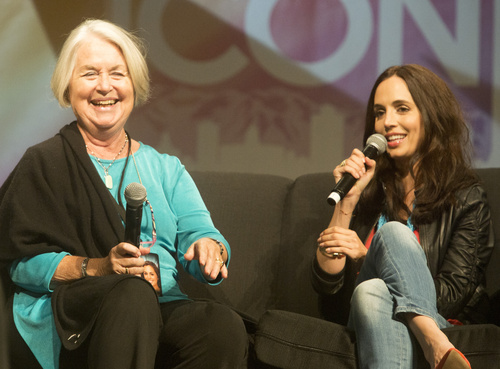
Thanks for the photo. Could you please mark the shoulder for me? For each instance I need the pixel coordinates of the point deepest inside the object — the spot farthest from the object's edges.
(44, 155)
(471, 208)
(147, 152)
(158, 164)
(39, 164)
(474, 194)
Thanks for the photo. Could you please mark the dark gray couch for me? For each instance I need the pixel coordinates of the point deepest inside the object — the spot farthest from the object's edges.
(272, 224)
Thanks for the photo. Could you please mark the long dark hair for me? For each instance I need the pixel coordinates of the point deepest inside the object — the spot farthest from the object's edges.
(444, 155)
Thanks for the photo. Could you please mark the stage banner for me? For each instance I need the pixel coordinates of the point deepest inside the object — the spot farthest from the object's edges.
(263, 86)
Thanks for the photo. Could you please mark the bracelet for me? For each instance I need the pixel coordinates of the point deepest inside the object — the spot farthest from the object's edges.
(220, 245)
(84, 267)
(220, 259)
(344, 213)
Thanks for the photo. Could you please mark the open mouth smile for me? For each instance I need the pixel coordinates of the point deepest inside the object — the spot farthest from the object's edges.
(104, 103)
(394, 140)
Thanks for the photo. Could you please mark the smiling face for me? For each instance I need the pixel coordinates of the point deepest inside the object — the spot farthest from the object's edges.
(100, 91)
(150, 275)
(398, 119)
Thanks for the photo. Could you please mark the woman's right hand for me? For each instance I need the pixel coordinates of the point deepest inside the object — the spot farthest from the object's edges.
(362, 168)
(338, 241)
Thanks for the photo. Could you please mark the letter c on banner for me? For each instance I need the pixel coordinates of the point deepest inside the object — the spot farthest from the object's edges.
(337, 65)
(176, 66)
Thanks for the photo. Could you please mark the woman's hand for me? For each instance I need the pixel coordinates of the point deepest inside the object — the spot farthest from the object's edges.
(360, 167)
(124, 258)
(208, 254)
(342, 241)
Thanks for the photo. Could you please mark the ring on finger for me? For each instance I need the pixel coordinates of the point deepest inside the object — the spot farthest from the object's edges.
(342, 164)
(220, 261)
(126, 270)
(331, 255)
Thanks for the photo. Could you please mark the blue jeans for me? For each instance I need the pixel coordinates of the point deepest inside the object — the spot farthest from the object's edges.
(393, 280)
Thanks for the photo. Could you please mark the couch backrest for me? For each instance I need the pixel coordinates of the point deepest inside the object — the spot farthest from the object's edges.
(306, 215)
(490, 178)
(247, 209)
(272, 224)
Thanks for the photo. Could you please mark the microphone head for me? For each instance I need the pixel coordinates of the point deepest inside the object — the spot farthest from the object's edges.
(378, 141)
(135, 194)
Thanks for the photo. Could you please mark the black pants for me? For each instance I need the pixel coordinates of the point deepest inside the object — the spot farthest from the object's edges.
(133, 331)
(201, 334)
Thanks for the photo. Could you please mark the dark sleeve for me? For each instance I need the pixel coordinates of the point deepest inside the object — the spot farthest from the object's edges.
(325, 283)
(466, 255)
(335, 291)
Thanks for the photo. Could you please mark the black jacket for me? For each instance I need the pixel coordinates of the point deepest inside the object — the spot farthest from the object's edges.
(458, 246)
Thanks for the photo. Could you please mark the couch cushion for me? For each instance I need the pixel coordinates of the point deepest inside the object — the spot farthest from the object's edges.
(480, 343)
(247, 209)
(288, 340)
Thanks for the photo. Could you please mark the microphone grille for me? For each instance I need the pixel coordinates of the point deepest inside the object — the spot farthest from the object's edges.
(135, 194)
(377, 140)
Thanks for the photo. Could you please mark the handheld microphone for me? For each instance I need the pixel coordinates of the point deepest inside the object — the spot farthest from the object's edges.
(135, 195)
(375, 145)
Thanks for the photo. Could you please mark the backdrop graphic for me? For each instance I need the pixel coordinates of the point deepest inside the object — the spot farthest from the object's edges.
(264, 86)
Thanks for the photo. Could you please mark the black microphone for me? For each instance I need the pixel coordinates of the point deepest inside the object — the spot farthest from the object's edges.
(135, 195)
(375, 145)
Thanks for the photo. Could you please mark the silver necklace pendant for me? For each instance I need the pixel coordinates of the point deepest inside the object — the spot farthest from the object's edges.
(108, 180)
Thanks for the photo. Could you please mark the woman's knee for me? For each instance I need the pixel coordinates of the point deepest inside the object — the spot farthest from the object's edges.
(227, 337)
(224, 327)
(133, 297)
(395, 237)
(370, 299)
(210, 334)
(369, 292)
(394, 229)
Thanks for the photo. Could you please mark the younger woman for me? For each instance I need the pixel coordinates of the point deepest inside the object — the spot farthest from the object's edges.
(411, 240)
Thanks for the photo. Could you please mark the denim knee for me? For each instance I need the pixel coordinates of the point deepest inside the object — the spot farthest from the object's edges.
(394, 234)
(396, 230)
(370, 301)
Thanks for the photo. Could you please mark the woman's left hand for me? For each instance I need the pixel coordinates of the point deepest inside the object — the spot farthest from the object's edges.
(208, 254)
(343, 241)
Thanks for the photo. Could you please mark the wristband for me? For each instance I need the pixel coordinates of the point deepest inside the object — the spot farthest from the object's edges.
(84, 267)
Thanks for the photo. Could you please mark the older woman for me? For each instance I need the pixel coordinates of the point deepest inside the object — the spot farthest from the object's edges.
(409, 244)
(78, 300)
